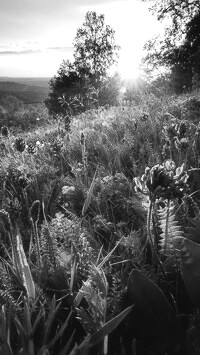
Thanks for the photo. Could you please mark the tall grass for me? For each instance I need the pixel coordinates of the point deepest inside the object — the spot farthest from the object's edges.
(93, 215)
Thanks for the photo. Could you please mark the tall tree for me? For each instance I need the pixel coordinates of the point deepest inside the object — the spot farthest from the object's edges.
(78, 85)
(178, 50)
(177, 12)
(95, 48)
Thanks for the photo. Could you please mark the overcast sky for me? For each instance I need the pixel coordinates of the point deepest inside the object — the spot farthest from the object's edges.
(36, 35)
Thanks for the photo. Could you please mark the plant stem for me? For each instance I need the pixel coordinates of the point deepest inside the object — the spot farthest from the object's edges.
(149, 237)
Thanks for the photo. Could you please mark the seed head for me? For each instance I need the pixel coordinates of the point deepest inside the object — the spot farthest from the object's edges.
(4, 131)
(82, 138)
(20, 144)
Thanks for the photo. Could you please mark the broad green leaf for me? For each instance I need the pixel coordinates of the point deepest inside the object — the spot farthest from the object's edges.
(82, 349)
(190, 268)
(108, 327)
(24, 269)
(98, 337)
(154, 308)
(193, 232)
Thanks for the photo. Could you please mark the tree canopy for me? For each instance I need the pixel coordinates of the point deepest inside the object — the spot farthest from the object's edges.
(82, 83)
(179, 49)
(95, 48)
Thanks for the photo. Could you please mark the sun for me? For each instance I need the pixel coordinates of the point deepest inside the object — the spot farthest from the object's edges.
(129, 67)
(133, 25)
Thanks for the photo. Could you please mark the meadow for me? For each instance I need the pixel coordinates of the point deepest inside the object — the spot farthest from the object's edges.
(99, 226)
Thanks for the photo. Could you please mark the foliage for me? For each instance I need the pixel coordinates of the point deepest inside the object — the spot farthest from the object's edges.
(96, 219)
(190, 268)
(95, 48)
(178, 49)
(171, 235)
(85, 83)
(66, 83)
(158, 315)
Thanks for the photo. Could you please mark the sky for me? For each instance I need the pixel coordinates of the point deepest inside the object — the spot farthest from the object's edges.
(37, 35)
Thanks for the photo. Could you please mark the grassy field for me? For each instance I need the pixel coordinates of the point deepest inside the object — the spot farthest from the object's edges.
(99, 230)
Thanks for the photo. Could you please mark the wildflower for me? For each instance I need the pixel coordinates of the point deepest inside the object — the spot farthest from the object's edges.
(67, 189)
(39, 144)
(163, 181)
(57, 146)
(78, 170)
(169, 165)
(107, 179)
(144, 116)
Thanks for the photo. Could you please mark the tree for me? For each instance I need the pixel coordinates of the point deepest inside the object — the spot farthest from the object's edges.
(95, 48)
(178, 13)
(179, 49)
(66, 84)
(79, 85)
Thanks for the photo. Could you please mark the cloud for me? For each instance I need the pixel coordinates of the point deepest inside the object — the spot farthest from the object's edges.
(30, 48)
(61, 49)
(19, 52)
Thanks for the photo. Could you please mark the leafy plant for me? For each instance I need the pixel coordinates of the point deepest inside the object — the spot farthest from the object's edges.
(171, 235)
(157, 314)
(190, 268)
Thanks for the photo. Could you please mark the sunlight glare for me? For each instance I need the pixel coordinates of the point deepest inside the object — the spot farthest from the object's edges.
(133, 25)
(128, 66)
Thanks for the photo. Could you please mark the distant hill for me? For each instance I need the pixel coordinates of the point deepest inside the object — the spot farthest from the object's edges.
(28, 90)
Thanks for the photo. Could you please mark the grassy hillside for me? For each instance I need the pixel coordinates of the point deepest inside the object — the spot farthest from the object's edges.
(28, 90)
(100, 232)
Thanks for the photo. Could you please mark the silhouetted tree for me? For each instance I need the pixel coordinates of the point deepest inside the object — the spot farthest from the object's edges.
(95, 48)
(179, 49)
(66, 84)
(82, 84)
